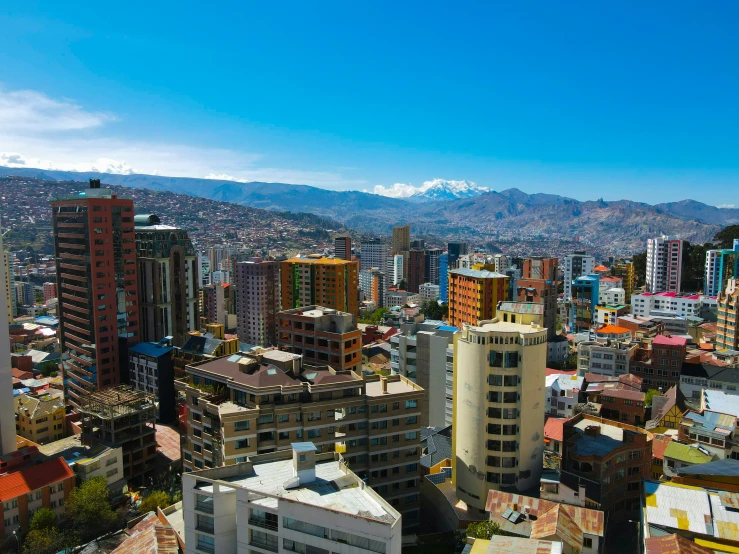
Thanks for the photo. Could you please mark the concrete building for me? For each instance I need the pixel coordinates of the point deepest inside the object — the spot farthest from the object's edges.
(151, 370)
(168, 280)
(538, 285)
(49, 291)
(444, 278)
(616, 455)
(727, 325)
(618, 401)
(607, 357)
(328, 282)
(433, 265)
(213, 343)
(585, 292)
(258, 299)
(474, 295)
(500, 262)
(500, 443)
(8, 284)
(664, 264)
(419, 353)
(562, 394)
(374, 254)
(394, 265)
(321, 336)
(46, 485)
(576, 265)
(625, 270)
(247, 404)
(122, 416)
(401, 239)
(40, 418)
(721, 265)
(343, 248)
(290, 501)
(455, 250)
(400, 298)
(204, 270)
(429, 292)
(682, 305)
(416, 270)
(97, 283)
(24, 294)
(7, 419)
(373, 285)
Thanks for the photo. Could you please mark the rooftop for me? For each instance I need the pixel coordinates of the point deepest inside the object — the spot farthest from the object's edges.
(668, 340)
(674, 544)
(500, 544)
(726, 468)
(478, 273)
(613, 330)
(152, 349)
(522, 307)
(13, 485)
(688, 453)
(554, 429)
(719, 401)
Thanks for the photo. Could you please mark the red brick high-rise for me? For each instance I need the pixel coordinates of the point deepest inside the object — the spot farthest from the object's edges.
(416, 270)
(95, 251)
(538, 285)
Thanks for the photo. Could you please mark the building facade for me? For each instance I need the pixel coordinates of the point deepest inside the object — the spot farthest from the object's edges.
(374, 254)
(343, 248)
(664, 264)
(328, 282)
(576, 265)
(538, 284)
(416, 270)
(721, 265)
(258, 300)
(97, 283)
(727, 330)
(40, 418)
(474, 295)
(151, 370)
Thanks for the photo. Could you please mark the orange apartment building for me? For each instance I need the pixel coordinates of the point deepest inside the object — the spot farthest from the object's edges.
(727, 331)
(329, 282)
(474, 295)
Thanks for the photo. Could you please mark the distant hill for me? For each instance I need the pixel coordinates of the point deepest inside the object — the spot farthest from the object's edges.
(507, 217)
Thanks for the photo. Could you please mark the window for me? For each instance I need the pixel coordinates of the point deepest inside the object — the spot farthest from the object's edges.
(241, 426)
(587, 542)
(242, 443)
(206, 543)
(411, 436)
(411, 404)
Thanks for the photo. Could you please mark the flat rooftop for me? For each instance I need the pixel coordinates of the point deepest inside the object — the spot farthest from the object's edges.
(506, 327)
(374, 388)
(333, 489)
(610, 438)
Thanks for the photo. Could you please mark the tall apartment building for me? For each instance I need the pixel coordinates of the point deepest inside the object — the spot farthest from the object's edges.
(500, 262)
(321, 336)
(8, 284)
(416, 270)
(343, 248)
(538, 285)
(373, 284)
(122, 416)
(455, 250)
(664, 264)
(394, 274)
(474, 295)
(24, 294)
(374, 254)
(168, 280)
(293, 501)
(49, 291)
(727, 325)
(151, 370)
(247, 404)
(721, 265)
(444, 278)
(433, 265)
(625, 270)
(258, 300)
(401, 239)
(576, 265)
(97, 283)
(585, 292)
(328, 282)
(204, 270)
(419, 353)
(500, 443)
(7, 420)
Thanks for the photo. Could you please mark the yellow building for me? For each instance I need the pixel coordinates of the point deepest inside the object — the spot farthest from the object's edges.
(39, 418)
(316, 281)
(500, 444)
(474, 295)
(524, 313)
(625, 270)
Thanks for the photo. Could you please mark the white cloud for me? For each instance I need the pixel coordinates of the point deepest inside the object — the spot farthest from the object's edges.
(402, 190)
(398, 190)
(726, 206)
(28, 111)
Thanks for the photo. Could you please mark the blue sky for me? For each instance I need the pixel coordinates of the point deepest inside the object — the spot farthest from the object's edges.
(629, 100)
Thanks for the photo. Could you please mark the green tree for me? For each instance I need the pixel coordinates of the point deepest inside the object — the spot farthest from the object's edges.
(48, 368)
(483, 530)
(694, 263)
(433, 310)
(88, 506)
(43, 518)
(157, 499)
(725, 237)
(48, 541)
(649, 395)
(640, 267)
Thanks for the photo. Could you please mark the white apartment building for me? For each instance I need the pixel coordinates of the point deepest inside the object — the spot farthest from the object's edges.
(394, 273)
(374, 254)
(607, 284)
(576, 265)
(562, 394)
(500, 261)
(613, 297)
(604, 358)
(498, 414)
(220, 277)
(286, 501)
(664, 264)
(401, 298)
(429, 292)
(681, 305)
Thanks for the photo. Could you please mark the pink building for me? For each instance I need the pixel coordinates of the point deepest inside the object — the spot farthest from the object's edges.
(49, 291)
(664, 264)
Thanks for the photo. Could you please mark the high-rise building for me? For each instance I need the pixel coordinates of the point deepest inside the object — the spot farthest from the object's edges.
(500, 442)
(373, 284)
(7, 417)
(401, 239)
(576, 264)
(322, 336)
(247, 404)
(455, 250)
(394, 273)
(204, 270)
(24, 294)
(151, 369)
(585, 294)
(625, 270)
(8, 285)
(664, 264)
(500, 262)
(343, 248)
(432, 264)
(444, 278)
(721, 265)
(49, 291)
(474, 295)
(416, 269)
(257, 301)
(538, 284)
(727, 324)
(97, 278)
(280, 503)
(168, 281)
(374, 254)
(328, 282)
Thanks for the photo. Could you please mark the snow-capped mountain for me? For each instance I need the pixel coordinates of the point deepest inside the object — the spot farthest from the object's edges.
(441, 189)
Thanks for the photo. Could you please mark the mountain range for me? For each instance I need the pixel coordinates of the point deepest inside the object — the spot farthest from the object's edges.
(449, 209)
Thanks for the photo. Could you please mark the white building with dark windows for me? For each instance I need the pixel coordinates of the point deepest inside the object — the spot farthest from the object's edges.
(287, 501)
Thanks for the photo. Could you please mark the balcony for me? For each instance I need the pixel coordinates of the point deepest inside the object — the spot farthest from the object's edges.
(263, 523)
(263, 544)
(205, 507)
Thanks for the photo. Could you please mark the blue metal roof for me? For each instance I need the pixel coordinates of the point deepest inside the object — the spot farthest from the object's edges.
(303, 446)
(151, 349)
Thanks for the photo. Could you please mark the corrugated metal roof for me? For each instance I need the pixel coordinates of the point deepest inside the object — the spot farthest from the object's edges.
(674, 544)
(678, 507)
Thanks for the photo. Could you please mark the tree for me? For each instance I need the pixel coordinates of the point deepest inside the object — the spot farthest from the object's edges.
(694, 263)
(48, 368)
(43, 518)
(483, 530)
(648, 396)
(48, 541)
(433, 310)
(725, 237)
(157, 499)
(640, 267)
(88, 506)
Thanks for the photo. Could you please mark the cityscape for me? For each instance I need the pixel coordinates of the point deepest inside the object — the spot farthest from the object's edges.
(243, 313)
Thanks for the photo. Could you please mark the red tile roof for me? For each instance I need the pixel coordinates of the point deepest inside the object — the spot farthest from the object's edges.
(26, 480)
(659, 445)
(600, 268)
(554, 428)
(669, 340)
